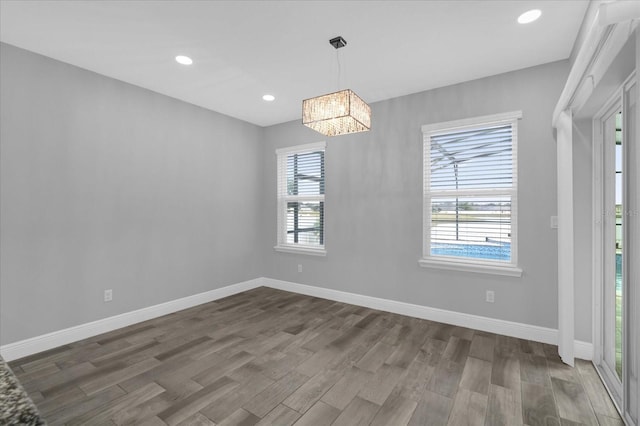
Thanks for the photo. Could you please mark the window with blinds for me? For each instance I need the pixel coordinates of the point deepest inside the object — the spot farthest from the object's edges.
(470, 190)
(301, 190)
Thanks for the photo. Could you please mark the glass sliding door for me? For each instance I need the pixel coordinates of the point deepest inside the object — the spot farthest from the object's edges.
(613, 249)
(631, 251)
(617, 253)
(618, 243)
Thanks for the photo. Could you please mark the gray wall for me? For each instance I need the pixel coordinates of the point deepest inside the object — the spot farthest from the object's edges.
(107, 185)
(583, 224)
(374, 201)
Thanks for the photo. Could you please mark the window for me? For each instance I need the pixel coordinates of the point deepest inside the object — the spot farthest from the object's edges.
(301, 199)
(470, 195)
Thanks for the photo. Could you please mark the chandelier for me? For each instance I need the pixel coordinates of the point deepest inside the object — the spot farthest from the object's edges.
(337, 113)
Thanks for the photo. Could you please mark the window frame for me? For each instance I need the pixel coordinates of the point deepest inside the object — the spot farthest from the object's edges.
(282, 199)
(488, 266)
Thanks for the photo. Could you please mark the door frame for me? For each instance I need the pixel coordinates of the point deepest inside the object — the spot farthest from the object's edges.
(617, 99)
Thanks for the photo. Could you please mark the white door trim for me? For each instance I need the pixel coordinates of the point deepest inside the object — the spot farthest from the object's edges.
(600, 245)
(566, 306)
(616, 101)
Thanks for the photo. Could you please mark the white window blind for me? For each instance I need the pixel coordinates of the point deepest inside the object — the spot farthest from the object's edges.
(301, 190)
(470, 190)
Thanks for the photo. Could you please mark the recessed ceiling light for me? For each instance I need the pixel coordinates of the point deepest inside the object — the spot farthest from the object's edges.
(184, 60)
(529, 16)
(269, 98)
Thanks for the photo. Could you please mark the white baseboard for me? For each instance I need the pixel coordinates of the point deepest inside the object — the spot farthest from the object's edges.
(12, 351)
(507, 328)
(583, 350)
(52, 340)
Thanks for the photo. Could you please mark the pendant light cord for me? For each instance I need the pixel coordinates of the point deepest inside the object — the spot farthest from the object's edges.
(339, 69)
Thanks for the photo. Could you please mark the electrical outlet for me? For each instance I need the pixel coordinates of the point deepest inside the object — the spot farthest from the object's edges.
(491, 296)
(108, 295)
(299, 268)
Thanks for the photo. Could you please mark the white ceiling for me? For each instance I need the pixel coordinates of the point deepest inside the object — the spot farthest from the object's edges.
(244, 49)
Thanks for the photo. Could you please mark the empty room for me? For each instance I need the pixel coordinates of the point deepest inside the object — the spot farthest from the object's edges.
(319, 212)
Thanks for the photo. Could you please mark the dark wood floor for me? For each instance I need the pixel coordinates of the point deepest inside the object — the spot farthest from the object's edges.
(269, 357)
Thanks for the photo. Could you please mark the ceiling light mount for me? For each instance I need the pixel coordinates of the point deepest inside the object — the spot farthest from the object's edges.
(338, 42)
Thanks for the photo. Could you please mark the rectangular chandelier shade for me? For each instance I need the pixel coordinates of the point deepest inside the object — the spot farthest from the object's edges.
(337, 113)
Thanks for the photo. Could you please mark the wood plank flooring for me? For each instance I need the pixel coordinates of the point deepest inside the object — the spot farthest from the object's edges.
(269, 357)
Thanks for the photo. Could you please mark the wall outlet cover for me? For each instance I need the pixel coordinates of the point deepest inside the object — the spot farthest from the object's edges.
(491, 296)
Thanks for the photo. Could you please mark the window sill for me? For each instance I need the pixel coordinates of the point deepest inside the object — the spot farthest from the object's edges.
(510, 271)
(301, 250)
